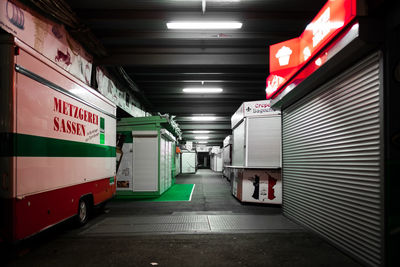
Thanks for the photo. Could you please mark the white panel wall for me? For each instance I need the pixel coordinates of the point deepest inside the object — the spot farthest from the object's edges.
(238, 153)
(177, 164)
(218, 162)
(162, 164)
(124, 175)
(145, 164)
(188, 162)
(263, 142)
(169, 164)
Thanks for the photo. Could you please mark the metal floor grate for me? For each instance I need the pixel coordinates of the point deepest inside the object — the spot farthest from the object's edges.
(173, 224)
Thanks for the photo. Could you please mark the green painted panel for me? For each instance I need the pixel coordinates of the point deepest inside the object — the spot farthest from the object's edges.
(178, 192)
(102, 139)
(102, 124)
(37, 146)
(128, 136)
(125, 194)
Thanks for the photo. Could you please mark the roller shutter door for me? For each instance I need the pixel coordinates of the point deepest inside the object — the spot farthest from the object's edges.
(332, 161)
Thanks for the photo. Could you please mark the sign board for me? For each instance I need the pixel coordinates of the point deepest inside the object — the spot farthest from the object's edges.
(189, 145)
(48, 38)
(288, 57)
(251, 109)
(257, 108)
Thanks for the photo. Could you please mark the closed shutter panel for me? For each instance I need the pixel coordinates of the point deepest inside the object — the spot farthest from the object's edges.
(238, 155)
(263, 142)
(332, 172)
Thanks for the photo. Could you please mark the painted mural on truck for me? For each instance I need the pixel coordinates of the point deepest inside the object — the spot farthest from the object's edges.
(46, 37)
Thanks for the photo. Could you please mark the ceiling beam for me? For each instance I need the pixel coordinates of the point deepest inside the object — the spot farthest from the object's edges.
(205, 101)
(189, 118)
(234, 86)
(185, 50)
(183, 42)
(211, 131)
(210, 135)
(117, 35)
(173, 97)
(196, 108)
(211, 70)
(199, 78)
(215, 140)
(99, 15)
(222, 126)
(181, 60)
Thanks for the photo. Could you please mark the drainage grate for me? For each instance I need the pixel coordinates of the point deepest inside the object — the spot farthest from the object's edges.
(250, 222)
(191, 224)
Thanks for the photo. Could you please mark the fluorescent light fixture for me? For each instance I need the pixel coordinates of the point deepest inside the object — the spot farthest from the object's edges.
(203, 25)
(204, 118)
(211, 0)
(199, 90)
(201, 137)
(202, 142)
(201, 131)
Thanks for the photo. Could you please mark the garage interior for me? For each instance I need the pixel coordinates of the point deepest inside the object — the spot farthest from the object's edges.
(323, 221)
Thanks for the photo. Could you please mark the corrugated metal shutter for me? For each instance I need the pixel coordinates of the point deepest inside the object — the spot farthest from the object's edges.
(332, 152)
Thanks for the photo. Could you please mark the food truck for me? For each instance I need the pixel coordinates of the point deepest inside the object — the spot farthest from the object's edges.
(57, 138)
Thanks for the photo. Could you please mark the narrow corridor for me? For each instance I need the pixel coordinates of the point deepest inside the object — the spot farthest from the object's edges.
(213, 229)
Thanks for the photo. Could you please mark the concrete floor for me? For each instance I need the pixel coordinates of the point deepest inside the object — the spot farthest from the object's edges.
(214, 229)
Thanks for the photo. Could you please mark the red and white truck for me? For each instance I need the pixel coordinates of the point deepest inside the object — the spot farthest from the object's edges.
(57, 137)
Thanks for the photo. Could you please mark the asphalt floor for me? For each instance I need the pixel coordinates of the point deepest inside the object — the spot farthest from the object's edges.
(213, 229)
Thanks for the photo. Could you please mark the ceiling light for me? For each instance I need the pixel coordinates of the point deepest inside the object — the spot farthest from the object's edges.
(202, 142)
(199, 90)
(204, 118)
(201, 137)
(203, 25)
(201, 131)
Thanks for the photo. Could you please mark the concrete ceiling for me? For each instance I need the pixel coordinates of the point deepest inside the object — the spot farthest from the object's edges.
(161, 62)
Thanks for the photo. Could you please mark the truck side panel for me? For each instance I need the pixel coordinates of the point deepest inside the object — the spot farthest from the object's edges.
(40, 211)
(63, 145)
(7, 115)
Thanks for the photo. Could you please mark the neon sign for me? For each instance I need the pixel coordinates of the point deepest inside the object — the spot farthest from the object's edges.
(321, 27)
(288, 57)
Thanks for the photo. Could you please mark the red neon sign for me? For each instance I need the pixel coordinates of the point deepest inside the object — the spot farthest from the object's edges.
(286, 58)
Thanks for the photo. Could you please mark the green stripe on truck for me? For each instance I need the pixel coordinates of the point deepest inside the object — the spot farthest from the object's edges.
(37, 146)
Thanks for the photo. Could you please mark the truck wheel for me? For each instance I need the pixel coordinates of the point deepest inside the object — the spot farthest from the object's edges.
(83, 212)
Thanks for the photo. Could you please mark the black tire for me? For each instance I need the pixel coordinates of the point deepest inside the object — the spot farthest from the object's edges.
(83, 212)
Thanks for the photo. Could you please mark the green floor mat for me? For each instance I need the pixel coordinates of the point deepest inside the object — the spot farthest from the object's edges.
(177, 192)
